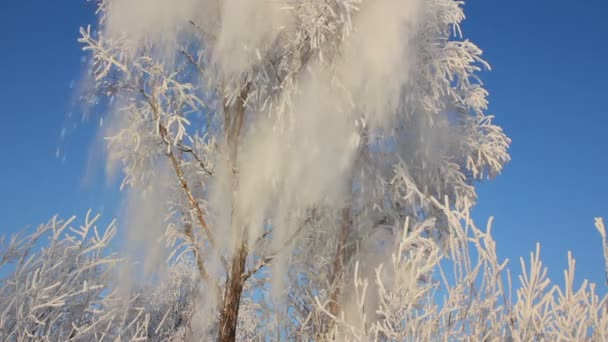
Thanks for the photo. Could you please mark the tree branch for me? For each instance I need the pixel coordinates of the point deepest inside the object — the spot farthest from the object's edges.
(266, 260)
(188, 149)
(184, 184)
(191, 60)
(205, 34)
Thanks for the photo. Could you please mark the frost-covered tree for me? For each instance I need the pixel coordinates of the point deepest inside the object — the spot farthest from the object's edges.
(293, 138)
(299, 170)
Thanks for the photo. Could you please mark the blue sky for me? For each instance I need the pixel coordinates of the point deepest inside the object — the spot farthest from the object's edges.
(547, 88)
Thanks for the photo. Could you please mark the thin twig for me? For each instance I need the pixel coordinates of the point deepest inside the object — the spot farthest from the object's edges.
(184, 184)
(266, 260)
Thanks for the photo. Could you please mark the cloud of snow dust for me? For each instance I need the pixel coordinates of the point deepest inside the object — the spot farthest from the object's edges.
(157, 20)
(311, 163)
(144, 215)
(308, 158)
(247, 28)
(378, 58)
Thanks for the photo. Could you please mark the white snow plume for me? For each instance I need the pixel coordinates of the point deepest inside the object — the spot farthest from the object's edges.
(301, 151)
(368, 105)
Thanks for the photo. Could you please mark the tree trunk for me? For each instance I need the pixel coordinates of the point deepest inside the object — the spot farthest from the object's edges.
(232, 297)
(343, 252)
(233, 124)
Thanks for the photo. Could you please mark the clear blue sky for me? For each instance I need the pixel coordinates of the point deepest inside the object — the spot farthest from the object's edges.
(548, 86)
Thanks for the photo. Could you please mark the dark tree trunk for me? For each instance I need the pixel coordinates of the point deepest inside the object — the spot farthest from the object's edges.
(234, 119)
(232, 297)
(343, 251)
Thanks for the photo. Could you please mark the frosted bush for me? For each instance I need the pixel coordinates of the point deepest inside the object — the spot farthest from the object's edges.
(60, 285)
